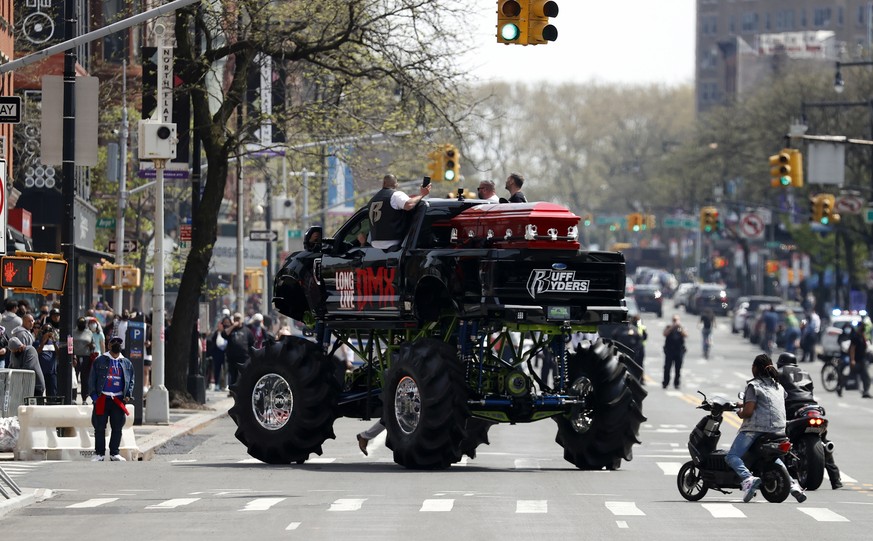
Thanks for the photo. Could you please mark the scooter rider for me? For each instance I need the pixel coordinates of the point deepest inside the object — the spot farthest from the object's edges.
(762, 412)
(799, 388)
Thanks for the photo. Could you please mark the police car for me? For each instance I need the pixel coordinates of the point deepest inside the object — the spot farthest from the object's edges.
(830, 341)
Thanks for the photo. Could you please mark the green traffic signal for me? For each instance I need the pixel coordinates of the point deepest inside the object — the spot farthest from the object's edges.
(509, 32)
(785, 180)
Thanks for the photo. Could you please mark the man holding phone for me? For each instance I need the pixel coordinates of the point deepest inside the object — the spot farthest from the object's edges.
(388, 212)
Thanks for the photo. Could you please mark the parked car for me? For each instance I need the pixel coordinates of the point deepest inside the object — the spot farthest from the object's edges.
(680, 298)
(712, 296)
(745, 307)
(829, 335)
(649, 298)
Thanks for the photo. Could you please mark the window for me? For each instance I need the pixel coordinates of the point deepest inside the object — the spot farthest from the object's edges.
(840, 16)
(767, 22)
(821, 17)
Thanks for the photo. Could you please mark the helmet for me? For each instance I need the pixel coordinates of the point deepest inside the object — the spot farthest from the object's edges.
(786, 358)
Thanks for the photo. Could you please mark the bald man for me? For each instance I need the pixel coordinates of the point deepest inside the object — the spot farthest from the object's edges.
(387, 213)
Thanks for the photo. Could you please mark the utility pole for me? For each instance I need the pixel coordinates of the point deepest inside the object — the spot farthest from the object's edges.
(118, 294)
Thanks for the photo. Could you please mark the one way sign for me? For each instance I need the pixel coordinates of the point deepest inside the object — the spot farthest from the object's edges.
(10, 109)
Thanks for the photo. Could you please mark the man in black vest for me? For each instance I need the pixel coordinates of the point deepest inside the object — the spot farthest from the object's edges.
(387, 213)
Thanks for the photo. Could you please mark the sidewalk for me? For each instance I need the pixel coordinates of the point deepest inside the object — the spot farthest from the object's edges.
(149, 438)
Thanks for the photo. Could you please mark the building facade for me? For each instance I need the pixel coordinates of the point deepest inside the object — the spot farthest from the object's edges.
(738, 40)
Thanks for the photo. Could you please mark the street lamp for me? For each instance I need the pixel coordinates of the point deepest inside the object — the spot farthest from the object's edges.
(839, 83)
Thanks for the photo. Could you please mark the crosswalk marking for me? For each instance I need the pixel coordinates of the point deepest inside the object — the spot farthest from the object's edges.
(292, 526)
(822, 514)
(95, 502)
(624, 509)
(669, 468)
(347, 504)
(262, 504)
(527, 463)
(532, 506)
(723, 510)
(437, 505)
(174, 503)
(321, 460)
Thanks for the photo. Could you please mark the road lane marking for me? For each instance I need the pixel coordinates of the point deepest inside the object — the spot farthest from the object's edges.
(723, 510)
(174, 503)
(621, 523)
(669, 468)
(624, 509)
(292, 526)
(847, 479)
(320, 460)
(527, 463)
(347, 504)
(822, 514)
(532, 506)
(261, 504)
(437, 505)
(95, 502)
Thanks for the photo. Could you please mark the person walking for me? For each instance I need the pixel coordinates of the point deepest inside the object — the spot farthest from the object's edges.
(239, 342)
(83, 346)
(858, 359)
(216, 346)
(23, 357)
(707, 322)
(640, 350)
(809, 336)
(110, 385)
(792, 331)
(674, 352)
(771, 322)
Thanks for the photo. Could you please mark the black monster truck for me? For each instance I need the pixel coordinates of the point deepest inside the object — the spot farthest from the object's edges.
(433, 319)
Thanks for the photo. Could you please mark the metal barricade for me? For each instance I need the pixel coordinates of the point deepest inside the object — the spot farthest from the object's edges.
(4, 478)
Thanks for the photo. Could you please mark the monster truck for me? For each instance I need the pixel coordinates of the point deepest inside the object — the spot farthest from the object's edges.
(433, 319)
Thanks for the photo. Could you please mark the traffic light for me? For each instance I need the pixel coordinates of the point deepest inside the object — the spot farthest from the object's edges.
(253, 280)
(34, 272)
(796, 165)
(780, 169)
(587, 219)
(826, 204)
(511, 20)
(105, 276)
(435, 165)
(635, 222)
(709, 219)
(815, 209)
(538, 29)
(451, 164)
(130, 277)
(650, 221)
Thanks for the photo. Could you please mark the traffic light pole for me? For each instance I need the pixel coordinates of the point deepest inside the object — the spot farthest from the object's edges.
(157, 408)
(118, 294)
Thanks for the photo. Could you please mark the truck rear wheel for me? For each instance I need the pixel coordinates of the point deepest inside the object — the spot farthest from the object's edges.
(477, 434)
(425, 405)
(285, 401)
(601, 430)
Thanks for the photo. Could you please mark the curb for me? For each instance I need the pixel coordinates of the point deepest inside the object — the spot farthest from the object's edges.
(29, 496)
(150, 443)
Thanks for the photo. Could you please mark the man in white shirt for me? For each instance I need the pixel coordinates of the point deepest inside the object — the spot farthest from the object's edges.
(487, 191)
(387, 213)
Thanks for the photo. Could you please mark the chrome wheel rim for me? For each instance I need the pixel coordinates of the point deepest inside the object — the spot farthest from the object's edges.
(407, 405)
(582, 416)
(272, 401)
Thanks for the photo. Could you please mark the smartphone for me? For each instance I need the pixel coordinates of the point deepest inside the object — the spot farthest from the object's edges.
(426, 182)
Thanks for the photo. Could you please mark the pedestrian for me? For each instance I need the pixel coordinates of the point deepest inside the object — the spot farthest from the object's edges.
(858, 358)
(387, 212)
(487, 191)
(216, 346)
(24, 332)
(762, 412)
(707, 322)
(83, 346)
(46, 347)
(239, 342)
(4, 348)
(674, 352)
(640, 350)
(771, 322)
(367, 435)
(110, 385)
(23, 357)
(9, 320)
(514, 182)
(792, 331)
(258, 330)
(809, 336)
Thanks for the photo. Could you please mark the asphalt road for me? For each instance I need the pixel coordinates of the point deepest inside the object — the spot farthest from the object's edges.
(519, 487)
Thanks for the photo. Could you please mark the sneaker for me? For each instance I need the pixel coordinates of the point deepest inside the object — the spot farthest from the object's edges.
(797, 492)
(750, 486)
(836, 484)
(98, 458)
(117, 458)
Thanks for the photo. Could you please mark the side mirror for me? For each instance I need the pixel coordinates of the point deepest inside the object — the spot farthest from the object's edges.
(312, 239)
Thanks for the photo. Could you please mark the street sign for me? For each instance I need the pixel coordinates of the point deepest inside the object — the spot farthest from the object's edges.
(10, 109)
(106, 223)
(185, 231)
(752, 225)
(264, 235)
(295, 234)
(130, 245)
(680, 222)
(868, 216)
(849, 204)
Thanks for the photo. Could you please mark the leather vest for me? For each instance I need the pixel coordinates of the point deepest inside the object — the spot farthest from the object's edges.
(386, 222)
(769, 414)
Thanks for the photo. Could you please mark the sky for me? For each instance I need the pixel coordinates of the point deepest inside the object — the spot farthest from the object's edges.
(606, 41)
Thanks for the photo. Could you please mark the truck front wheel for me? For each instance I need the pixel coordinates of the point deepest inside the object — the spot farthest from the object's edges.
(285, 401)
(425, 406)
(601, 429)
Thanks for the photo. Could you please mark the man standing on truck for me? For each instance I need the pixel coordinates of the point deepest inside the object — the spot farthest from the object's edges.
(387, 213)
(487, 192)
(514, 182)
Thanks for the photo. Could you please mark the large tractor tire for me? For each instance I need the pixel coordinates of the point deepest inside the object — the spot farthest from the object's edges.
(425, 405)
(477, 434)
(285, 401)
(601, 430)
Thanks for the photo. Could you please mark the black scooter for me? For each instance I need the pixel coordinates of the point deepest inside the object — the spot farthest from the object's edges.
(707, 468)
(807, 457)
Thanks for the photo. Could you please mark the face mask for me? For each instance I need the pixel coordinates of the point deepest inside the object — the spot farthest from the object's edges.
(115, 348)
(92, 327)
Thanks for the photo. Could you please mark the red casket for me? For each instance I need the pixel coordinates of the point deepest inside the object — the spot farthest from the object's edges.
(517, 225)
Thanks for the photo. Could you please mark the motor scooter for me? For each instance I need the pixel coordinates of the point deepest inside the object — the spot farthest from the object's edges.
(807, 457)
(707, 468)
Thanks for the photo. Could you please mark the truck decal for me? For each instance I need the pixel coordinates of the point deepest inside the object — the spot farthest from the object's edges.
(555, 281)
(345, 284)
(372, 283)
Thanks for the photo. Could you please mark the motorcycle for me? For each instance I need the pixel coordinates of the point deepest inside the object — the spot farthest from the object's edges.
(707, 468)
(807, 457)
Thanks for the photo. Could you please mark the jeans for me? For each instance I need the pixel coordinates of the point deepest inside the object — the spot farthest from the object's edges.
(115, 415)
(741, 445)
